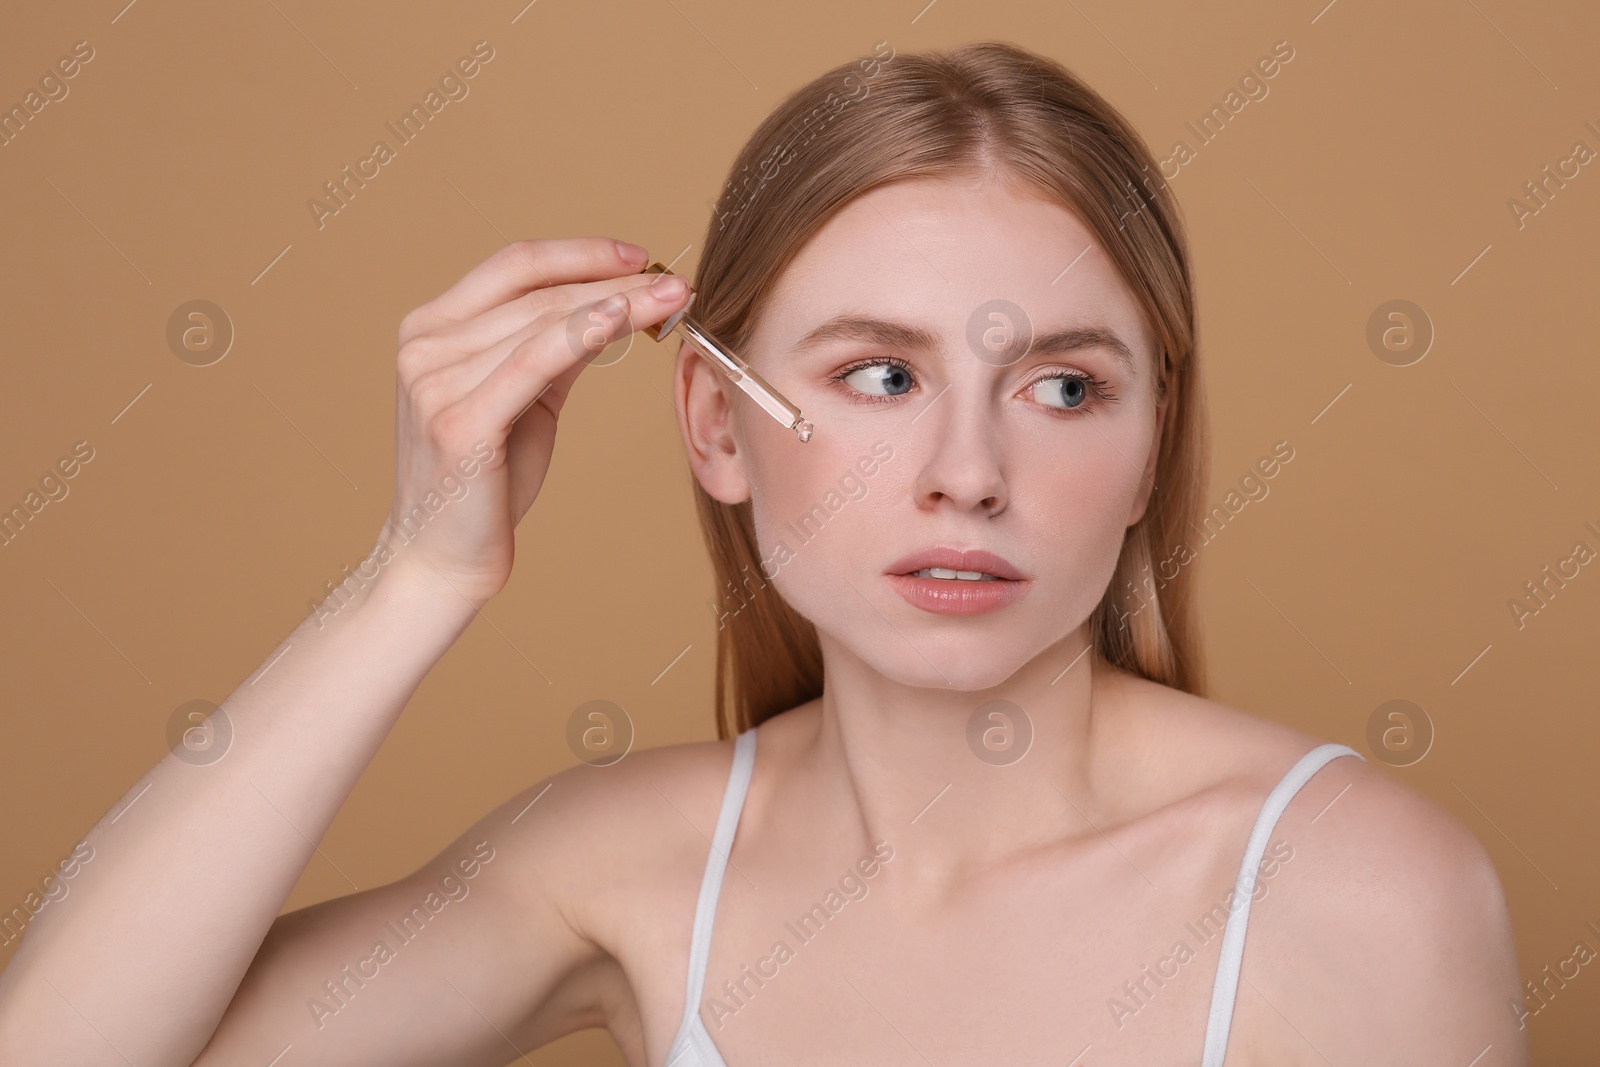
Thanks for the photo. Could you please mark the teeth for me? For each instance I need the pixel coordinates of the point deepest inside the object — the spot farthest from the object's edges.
(966, 576)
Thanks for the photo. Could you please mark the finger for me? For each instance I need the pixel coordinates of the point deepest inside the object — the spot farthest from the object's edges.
(537, 368)
(444, 370)
(526, 314)
(520, 267)
(649, 305)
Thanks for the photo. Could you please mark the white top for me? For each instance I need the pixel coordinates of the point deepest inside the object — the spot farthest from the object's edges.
(693, 1046)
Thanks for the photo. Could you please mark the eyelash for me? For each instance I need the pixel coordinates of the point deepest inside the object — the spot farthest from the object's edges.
(1102, 393)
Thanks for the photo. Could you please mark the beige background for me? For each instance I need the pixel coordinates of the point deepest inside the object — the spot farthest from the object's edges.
(219, 503)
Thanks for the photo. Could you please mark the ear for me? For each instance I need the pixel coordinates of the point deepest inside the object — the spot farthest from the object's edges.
(705, 418)
(1147, 483)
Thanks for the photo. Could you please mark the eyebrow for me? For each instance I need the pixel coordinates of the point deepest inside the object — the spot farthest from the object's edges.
(891, 334)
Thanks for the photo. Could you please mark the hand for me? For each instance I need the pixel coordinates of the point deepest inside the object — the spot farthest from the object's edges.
(483, 372)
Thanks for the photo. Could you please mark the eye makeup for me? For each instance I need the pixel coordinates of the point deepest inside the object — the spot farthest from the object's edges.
(1096, 391)
(738, 371)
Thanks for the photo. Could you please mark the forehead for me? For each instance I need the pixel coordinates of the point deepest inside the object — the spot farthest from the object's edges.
(935, 252)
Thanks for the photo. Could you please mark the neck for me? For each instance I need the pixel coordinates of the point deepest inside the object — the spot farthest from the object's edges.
(959, 781)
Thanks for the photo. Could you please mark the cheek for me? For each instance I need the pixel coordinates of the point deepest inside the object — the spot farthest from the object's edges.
(1077, 503)
(815, 508)
(1092, 486)
(788, 477)
(791, 482)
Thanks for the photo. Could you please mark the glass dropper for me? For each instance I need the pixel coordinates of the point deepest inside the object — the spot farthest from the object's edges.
(738, 371)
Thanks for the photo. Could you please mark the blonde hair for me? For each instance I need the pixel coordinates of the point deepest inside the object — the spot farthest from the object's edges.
(987, 107)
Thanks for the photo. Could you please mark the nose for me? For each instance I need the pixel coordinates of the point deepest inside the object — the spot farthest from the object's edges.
(962, 469)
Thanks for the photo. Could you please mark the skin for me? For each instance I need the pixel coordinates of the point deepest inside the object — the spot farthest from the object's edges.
(1017, 899)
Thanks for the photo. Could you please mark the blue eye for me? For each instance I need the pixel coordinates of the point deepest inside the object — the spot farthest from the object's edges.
(1071, 389)
(1068, 392)
(894, 378)
(893, 375)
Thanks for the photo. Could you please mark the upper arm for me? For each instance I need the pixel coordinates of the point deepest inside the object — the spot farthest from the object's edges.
(1391, 942)
(468, 956)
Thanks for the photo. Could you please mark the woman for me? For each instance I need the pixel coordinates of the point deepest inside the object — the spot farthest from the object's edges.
(968, 804)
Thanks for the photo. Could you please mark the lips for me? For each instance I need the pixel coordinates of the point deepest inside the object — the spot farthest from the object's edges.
(955, 559)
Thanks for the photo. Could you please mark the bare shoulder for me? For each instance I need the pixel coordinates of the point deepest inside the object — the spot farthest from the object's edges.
(1191, 746)
(1390, 891)
(611, 857)
(592, 834)
(1376, 904)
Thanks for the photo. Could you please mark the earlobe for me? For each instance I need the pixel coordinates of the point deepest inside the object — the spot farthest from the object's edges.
(705, 422)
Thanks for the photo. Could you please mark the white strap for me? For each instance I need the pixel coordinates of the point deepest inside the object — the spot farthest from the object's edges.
(744, 756)
(1227, 984)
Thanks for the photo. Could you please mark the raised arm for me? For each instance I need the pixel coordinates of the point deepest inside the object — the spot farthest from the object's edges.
(144, 960)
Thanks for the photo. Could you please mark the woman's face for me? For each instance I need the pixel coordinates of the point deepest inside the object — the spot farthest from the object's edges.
(902, 331)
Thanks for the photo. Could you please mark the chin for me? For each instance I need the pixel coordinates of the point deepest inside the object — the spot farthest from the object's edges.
(975, 669)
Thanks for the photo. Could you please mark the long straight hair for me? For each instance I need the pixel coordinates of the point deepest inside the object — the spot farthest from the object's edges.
(982, 108)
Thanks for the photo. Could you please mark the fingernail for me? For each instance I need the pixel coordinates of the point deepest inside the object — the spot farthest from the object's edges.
(668, 287)
(630, 253)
